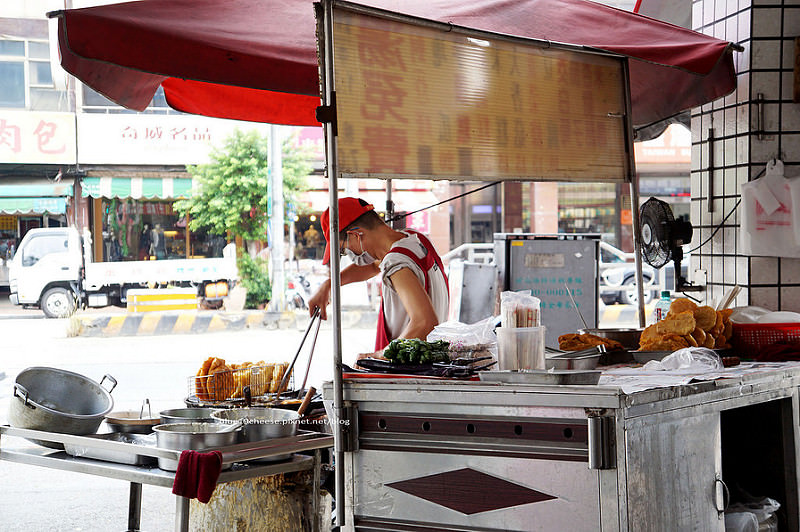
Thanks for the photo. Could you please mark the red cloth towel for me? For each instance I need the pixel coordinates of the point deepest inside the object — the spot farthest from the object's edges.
(197, 475)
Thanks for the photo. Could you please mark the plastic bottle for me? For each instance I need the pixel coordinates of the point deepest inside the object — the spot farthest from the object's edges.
(662, 307)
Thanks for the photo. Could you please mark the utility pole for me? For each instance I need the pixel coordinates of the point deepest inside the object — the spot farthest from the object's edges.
(278, 301)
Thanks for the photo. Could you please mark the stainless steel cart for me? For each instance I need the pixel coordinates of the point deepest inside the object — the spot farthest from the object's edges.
(138, 475)
(448, 455)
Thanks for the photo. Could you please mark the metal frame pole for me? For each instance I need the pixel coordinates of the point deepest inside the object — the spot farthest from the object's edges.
(328, 90)
(135, 507)
(633, 178)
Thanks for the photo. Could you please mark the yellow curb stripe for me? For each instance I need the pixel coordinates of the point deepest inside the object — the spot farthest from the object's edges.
(217, 324)
(114, 325)
(253, 319)
(148, 324)
(184, 322)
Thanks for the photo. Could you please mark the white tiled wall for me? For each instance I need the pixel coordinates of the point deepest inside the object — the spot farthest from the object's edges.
(766, 29)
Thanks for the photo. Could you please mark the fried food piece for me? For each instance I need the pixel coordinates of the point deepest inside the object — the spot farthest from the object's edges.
(719, 325)
(710, 341)
(727, 331)
(679, 324)
(219, 384)
(570, 342)
(262, 378)
(706, 317)
(576, 342)
(200, 380)
(699, 336)
(667, 342)
(681, 304)
(690, 340)
(649, 334)
(241, 378)
(277, 376)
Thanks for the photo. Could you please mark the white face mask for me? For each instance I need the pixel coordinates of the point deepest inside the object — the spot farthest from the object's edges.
(362, 259)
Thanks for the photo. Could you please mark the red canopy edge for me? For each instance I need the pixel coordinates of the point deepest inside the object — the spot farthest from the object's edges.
(256, 59)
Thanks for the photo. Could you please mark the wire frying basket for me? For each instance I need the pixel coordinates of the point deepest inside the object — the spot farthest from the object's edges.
(229, 385)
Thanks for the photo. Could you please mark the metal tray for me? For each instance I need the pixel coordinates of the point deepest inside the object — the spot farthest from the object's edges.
(119, 457)
(646, 356)
(562, 376)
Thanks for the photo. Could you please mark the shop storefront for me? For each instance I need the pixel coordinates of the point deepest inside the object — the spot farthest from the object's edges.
(27, 204)
(133, 218)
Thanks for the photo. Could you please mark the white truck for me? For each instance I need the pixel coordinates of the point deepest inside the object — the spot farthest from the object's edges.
(53, 270)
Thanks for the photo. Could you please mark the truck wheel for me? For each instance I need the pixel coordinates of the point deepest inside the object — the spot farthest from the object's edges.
(58, 303)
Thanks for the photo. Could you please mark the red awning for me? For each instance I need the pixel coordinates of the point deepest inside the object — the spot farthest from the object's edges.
(256, 60)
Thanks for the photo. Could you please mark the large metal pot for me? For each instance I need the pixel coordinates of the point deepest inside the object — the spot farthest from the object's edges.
(262, 423)
(56, 400)
(192, 436)
(187, 415)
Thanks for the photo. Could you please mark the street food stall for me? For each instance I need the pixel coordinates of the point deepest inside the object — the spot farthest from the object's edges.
(504, 102)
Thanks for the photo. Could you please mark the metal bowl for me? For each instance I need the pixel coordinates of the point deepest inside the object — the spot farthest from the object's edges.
(262, 423)
(192, 436)
(629, 338)
(130, 422)
(188, 415)
(581, 362)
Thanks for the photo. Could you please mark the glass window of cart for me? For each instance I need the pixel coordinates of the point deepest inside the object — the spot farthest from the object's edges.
(151, 230)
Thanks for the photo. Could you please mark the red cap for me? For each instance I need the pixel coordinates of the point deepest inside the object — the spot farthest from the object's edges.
(349, 210)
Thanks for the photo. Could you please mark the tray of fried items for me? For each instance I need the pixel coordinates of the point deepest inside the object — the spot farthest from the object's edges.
(218, 381)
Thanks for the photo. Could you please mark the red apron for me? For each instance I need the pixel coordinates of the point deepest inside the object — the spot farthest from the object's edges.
(383, 337)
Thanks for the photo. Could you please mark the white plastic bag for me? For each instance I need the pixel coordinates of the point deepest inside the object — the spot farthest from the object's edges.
(473, 339)
(740, 522)
(687, 360)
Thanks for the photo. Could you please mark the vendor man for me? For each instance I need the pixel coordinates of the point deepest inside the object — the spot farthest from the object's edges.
(414, 294)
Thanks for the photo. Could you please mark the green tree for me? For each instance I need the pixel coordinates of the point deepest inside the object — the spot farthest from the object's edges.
(230, 197)
(231, 192)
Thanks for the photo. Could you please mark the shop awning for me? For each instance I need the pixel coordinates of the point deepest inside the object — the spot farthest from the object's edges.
(39, 205)
(27, 188)
(256, 60)
(136, 187)
(34, 196)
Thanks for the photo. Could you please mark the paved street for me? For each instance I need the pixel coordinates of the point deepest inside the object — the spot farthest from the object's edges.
(157, 368)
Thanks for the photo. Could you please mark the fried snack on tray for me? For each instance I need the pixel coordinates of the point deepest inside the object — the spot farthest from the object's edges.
(668, 342)
(576, 342)
(687, 325)
(706, 317)
(681, 304)
(680, 324)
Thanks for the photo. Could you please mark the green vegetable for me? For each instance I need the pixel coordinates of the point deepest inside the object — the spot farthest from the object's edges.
(416, 351)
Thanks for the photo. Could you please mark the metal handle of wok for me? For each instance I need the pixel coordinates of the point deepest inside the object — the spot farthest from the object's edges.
(24, 391)
(285, 379)
(112, 379)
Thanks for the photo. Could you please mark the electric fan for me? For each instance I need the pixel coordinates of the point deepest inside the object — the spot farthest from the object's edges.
(662, 239)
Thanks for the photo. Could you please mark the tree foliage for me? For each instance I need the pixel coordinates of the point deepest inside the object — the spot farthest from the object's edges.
(232, 191)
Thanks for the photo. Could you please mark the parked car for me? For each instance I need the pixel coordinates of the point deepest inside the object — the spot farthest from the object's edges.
(618, 271)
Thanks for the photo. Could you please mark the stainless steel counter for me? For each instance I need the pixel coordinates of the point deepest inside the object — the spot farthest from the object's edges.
(236, 455)
(458, 455)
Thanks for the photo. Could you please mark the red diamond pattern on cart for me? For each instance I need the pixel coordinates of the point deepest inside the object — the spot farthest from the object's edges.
(469, 491)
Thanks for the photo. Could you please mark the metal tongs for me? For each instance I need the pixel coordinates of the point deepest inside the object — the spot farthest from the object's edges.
(583, 353)
(285, 379)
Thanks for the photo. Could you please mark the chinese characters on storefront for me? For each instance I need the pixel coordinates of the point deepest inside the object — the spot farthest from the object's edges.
(31, 137)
